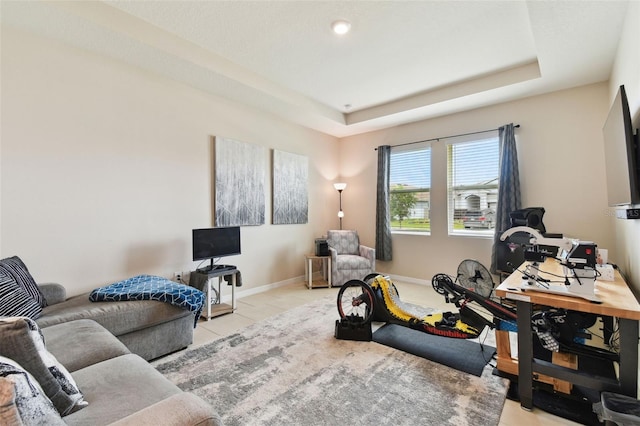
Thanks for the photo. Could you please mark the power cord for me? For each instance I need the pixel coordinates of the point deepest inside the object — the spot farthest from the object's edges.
(539, 280)
(493, 356)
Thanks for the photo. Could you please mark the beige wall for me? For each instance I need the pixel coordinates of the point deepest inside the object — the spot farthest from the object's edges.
(561, 168)
(106, 168)
(627, 71)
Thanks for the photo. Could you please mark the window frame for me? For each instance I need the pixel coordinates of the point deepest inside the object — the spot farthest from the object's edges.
(491, 187)
(413, 147)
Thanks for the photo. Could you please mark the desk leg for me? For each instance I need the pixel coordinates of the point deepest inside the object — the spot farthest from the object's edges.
(309, 273)
(629, 357)
(525, 355)
(329, 271)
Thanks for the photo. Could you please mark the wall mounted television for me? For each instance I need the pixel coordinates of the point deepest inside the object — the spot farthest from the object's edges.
(213, 243)
(622, 156)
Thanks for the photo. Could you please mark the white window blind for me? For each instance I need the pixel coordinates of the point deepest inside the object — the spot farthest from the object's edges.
(409, 188)
(472, 184)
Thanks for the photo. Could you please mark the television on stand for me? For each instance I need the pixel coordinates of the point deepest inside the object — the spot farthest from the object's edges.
(213, 243)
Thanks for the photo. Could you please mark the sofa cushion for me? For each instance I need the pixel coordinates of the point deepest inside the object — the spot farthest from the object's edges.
(18, 270)
(22, 342)
(78, 344)
(22, 400)
(180, 409)
(117, 388)
(117, 317)
(14, 300)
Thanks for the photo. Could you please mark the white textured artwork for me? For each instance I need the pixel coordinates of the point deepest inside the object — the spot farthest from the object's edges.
(240, 170)
(290, 198)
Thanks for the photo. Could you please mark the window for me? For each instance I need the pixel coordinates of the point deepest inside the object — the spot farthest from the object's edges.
(473, 170)
(409, 188)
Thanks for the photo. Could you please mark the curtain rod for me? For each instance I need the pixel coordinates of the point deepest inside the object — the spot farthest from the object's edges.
(449, 137)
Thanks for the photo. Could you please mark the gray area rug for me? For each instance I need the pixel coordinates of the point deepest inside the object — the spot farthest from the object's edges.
(290, 370)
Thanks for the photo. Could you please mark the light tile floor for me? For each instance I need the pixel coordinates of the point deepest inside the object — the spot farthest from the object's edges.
(260, 306)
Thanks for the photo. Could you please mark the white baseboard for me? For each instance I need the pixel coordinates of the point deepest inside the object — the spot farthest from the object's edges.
(409, 280)
(226, 298)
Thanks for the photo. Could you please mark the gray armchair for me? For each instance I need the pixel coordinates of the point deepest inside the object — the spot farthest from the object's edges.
(349, 259)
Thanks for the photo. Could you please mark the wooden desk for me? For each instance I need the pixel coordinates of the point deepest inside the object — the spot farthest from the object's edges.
(617, 301)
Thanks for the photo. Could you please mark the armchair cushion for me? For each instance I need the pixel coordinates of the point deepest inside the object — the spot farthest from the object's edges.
(344, 241)
(352, 261)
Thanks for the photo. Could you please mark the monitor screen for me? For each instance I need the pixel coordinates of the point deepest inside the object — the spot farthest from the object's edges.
(621, 154)
(210, 243)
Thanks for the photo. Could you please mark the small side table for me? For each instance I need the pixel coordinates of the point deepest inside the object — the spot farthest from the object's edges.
(326, 271)
(204, 281)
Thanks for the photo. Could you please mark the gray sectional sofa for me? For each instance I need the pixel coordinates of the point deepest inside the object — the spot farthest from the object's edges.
(70, 361)
(148, 328)
(120, 387)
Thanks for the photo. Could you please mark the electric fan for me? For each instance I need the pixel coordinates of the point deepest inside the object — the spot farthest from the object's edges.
(472, 275)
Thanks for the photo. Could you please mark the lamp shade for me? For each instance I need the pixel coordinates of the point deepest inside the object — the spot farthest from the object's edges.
(339, 186)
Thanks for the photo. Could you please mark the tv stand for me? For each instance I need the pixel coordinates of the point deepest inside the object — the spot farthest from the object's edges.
(216, 268)
(203, 279)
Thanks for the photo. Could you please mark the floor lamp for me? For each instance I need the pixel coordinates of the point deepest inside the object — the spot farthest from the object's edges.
(340, 187)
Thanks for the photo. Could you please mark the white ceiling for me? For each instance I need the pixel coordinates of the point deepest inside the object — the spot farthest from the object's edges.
(402, 61)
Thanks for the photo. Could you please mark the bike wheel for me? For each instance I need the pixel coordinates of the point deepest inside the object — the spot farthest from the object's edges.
(355, 301)
(367, 279)
(438, 282)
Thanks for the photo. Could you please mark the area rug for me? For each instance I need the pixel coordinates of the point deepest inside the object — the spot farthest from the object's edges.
(290, 370)
(468, 356)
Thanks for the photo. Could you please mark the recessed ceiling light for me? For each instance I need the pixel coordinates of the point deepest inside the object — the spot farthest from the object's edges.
(341, 27)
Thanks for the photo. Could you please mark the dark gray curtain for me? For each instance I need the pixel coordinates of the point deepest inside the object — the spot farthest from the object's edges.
(383, 217)
(508, 187)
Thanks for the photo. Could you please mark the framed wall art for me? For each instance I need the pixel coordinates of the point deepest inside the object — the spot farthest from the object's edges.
(239, 182)
(290, 196)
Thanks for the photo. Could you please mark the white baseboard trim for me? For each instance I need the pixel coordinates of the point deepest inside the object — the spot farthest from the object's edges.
(409, 280)
(226, 298)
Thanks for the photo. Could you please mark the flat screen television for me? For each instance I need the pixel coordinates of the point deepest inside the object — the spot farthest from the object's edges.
(621, 154)
(213, 243)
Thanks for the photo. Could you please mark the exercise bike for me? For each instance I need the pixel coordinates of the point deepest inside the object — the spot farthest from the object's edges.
(376, 298)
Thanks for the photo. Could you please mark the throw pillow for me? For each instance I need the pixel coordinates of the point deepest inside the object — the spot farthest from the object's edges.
(18, 270)
(22, 401)
(8, 411)
(14, 300)
(22, 340)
